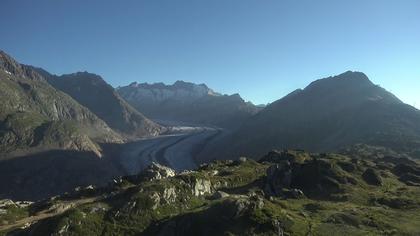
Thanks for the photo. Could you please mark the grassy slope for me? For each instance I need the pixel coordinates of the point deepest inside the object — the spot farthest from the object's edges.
(358, 209)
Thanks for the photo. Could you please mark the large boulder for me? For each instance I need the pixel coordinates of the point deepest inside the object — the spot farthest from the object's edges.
(201, 187)
(157, 171)
(153, 172)
(317, 178)
(371, 177)
(219, 195)
(278, 177)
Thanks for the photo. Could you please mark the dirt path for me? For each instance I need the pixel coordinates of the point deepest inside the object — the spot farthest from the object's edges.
(62, 207)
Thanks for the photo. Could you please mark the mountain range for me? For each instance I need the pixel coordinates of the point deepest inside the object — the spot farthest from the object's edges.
(189, 103)
(59, 126)
(328, 115)
(69, 141)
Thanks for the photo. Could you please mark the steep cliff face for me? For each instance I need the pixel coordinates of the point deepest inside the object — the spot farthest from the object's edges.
(188, 102)
(93, 92)
(34, 115)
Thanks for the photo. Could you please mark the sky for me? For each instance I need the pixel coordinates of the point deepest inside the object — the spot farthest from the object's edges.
(261, 49)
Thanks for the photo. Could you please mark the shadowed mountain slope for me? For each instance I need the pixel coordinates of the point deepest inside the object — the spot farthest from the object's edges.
(93, 92)
(330, 114)
(36, 116)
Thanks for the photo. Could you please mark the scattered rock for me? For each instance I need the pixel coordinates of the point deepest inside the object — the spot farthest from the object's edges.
(219, 195)
(201, 187)
(242, 159)
(295, 193)
(239, 206)
(371, 177)
(155, 199)
(256, 202)
(157, 171)
(169, 195)
(6, 203)
(214, 172)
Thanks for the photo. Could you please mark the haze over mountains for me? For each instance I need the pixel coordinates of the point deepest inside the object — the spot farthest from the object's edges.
(188, 102)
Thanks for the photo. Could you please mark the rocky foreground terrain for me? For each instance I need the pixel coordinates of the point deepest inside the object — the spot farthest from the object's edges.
(284, 193)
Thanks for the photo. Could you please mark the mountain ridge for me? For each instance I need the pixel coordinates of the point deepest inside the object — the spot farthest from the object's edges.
(34, 114)
(188, 102)
(95, 93)
(329, 114)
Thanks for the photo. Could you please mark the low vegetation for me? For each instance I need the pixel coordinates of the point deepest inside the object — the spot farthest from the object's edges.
(285, 193)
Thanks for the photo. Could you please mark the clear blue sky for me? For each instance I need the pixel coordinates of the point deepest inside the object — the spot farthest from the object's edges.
(260, 49)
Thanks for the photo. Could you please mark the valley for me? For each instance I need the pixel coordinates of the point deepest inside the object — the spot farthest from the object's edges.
(209, 118)
(177, 149)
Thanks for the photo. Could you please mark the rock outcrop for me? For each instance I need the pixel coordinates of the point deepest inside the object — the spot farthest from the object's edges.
(316, 177)
(371, 177)
(310, 194)
(155, 171)
(279, 176)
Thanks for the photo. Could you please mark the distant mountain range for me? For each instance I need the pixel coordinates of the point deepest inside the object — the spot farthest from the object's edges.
(188, 102)
(330, 114)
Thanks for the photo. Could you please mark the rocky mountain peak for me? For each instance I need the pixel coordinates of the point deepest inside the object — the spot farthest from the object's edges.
(84, 77)
(188, 85)
(7, 62)
(346, 80)
(11, 66)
